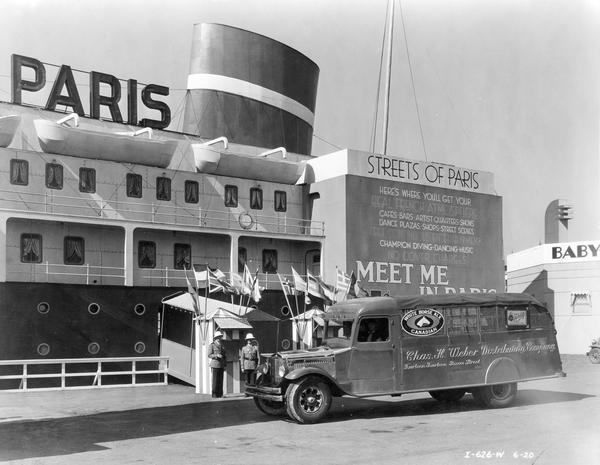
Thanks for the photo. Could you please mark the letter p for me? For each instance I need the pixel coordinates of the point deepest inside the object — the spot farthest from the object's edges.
(19, 84)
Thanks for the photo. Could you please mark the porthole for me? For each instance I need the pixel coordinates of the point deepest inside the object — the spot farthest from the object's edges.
(43, 307)
(140, 347)
(43, 349)
(94, 308)
(285, 344)
(139, 309)
(93, 348)
(285, 310)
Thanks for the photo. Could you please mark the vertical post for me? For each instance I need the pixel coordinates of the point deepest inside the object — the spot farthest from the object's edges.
(388, 77)
(197, 353)
(133, 372)
(24, 380)
(87, 273)
(62, 375)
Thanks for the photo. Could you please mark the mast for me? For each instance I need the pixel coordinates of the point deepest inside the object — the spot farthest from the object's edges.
(388, 76)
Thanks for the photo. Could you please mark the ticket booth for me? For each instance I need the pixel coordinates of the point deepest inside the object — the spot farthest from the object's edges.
(177, 339)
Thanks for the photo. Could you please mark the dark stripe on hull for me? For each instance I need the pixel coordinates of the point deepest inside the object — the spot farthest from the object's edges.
(68, 328)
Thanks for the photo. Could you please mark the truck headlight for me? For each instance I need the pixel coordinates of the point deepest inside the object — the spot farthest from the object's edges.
(282, 371)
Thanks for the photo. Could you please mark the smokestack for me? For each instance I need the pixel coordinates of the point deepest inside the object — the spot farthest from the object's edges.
(251, 89)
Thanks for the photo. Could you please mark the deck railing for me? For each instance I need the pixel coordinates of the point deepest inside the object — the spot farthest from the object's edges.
(47, 272)
(92, 206)
(82, 373)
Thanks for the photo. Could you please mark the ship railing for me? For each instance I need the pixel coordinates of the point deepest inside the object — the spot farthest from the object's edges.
(82, 373)
(74, 274)
(157, 213)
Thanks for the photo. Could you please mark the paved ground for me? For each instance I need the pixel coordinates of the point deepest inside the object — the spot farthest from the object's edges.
(554, 421)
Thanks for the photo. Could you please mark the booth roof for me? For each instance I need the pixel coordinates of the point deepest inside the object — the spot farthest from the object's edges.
(259, 315)
(185, 301)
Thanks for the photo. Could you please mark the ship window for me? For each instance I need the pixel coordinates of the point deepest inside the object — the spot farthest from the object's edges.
(146, 254)
(163, 188)
(54, 176)
(269, 261)
(87, 180)
(134, 185)
(43, 349)
(256, 198)
(280, 201)
(31, 248)
(231, 196)
(19, 172)
(74, 251)
(242, 258)
(93, 348)
(191, 192)
(139, 347)
(182, 257)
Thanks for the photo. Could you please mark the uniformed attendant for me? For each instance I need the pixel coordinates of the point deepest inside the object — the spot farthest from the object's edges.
(218, 362)
(249, 359)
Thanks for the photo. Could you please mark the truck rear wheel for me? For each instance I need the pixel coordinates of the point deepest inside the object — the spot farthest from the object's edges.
(308, 400)
(270, 407)
(448, 395)
(497, 395)
(594, 355)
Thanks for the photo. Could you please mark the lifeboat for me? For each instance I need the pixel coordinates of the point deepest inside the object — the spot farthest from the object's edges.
(262, 167)
(125, 147)
(8, 127)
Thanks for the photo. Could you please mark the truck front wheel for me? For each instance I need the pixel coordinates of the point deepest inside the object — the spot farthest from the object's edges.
(308, 400)
(497, 395)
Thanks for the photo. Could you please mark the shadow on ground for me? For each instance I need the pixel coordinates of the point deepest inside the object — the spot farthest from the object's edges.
(63, 436)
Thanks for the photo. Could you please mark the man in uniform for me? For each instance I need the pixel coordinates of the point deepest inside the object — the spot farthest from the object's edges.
(218, 362)
(249, 359)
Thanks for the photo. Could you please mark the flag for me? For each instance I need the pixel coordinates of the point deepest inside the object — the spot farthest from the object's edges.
(318, 288)
(218, 279)
(194, 293)
(237, 283)
(214, 280)
(299, 283)
(248, 279)
(288, 288)
(342, 283)
(255, 289)
(355, 289)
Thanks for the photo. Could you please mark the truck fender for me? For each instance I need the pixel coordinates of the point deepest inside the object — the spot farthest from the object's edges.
(502, 370)
(301, 372)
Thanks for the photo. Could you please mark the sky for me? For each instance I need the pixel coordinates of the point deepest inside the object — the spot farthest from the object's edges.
(506, 86)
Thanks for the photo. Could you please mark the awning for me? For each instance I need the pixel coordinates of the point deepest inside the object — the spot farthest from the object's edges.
(185, 301)
(232, 323)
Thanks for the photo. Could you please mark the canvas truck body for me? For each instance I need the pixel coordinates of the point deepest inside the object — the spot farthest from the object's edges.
(447, 345)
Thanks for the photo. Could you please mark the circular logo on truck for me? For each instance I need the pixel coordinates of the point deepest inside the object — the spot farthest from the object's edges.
(422, 322)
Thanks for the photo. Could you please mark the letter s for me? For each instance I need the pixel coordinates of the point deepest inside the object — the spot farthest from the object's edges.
(164, 109)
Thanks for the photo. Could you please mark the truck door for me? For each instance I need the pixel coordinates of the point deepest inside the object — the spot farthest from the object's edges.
(371, 367)
(422, 356)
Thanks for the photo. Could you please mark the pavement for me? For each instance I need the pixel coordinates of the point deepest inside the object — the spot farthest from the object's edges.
(37, 405)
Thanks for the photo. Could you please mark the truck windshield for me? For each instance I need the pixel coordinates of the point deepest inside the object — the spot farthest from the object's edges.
(337, 333)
